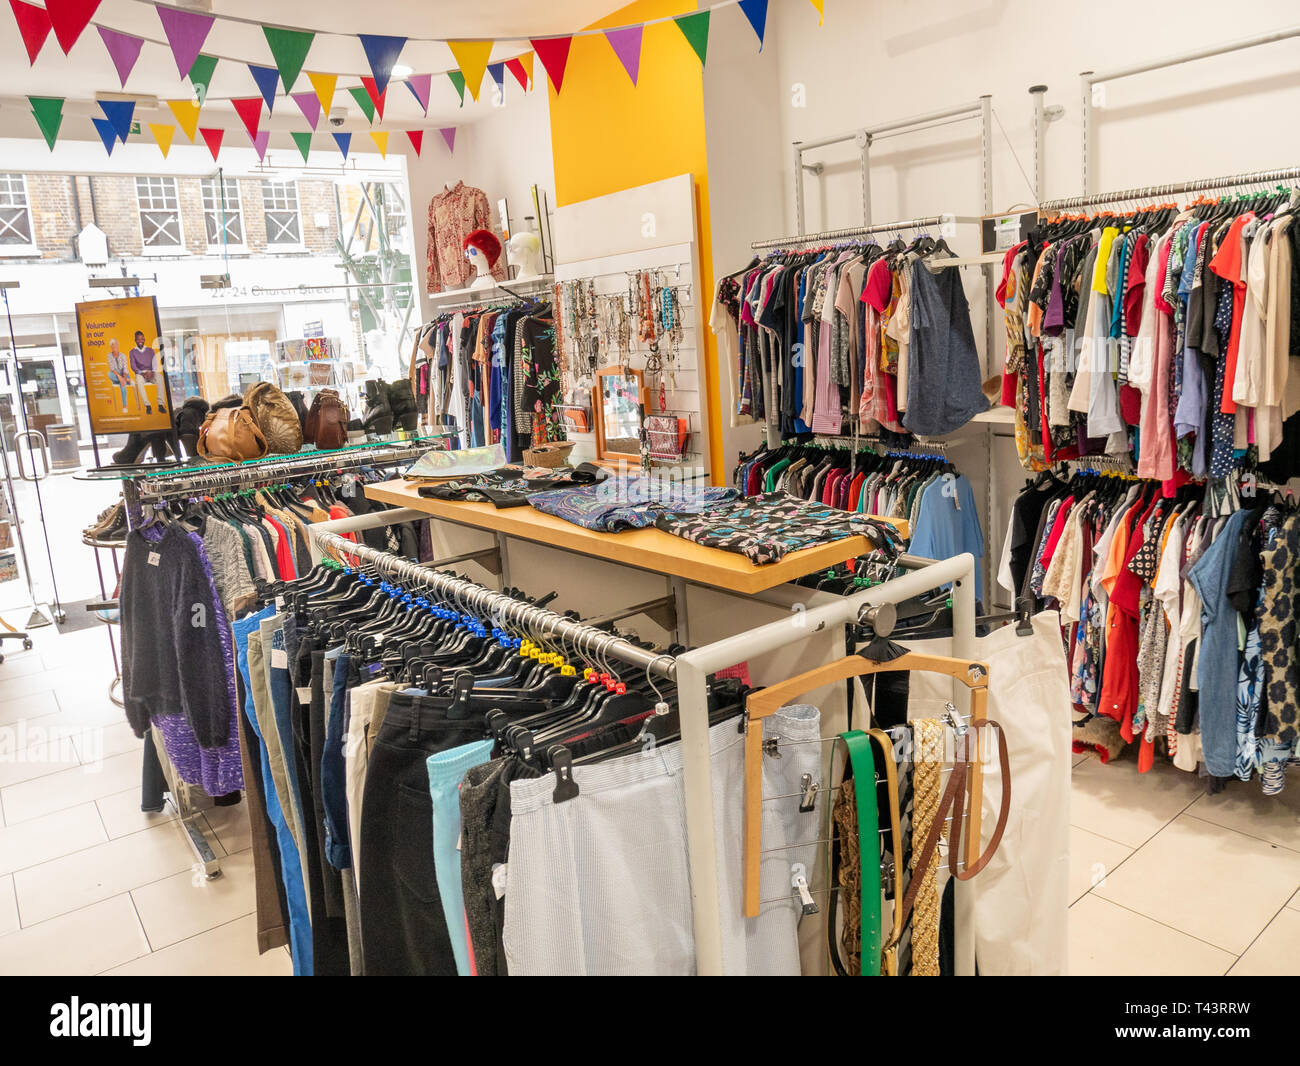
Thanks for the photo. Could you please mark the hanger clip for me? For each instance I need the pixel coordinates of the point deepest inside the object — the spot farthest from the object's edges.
(809, 787)
(799, 882)
(954, 718)
(566, 788)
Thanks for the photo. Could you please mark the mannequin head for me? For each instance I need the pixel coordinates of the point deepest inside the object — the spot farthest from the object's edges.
(482, 249)
(525, 252)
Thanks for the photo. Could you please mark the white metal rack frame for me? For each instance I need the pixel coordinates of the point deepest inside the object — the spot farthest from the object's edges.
(690, 671)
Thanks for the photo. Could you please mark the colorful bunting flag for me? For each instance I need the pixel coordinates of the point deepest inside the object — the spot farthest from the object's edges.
(820, 5)
(186, 113)
(309, 105)
(472, 59)
(381, 54)
(416, 137)
(756, 12)
(123, 50)
(364, 102)
(376, 95)
(106, 133)
(498, 72)
(626, 43)
(343, 140)
(186, 31)
(260, 143)
(163, 134)
(48, 113)
(303, 141)
(695, 28)
(266, 79)
(449, 135)
(458, 80)
(554, 54)
(523, 74)
(323, 86)
(419, 84)
(34, 25)
(249, 109)
(212, 138)
(68, 18)
(201, 75)
(380, 137)
(120, 113)
(289, 48)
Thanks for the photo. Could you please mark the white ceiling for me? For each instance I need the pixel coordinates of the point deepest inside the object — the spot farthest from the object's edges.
(87, 70)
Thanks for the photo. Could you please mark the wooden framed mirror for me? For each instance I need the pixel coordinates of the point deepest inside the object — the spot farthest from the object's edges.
(618, 402)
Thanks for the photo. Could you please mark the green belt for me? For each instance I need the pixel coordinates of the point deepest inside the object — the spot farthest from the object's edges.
(864, 788)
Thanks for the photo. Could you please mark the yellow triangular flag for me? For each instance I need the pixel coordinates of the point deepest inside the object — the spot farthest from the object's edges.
(380, 137)
(324, 84)
(163, 134)
(527, 61)
(187, 114)
(472, 59)
(820, 5)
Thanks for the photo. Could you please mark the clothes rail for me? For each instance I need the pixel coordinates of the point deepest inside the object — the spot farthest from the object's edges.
(1143, 192)
(863, 231)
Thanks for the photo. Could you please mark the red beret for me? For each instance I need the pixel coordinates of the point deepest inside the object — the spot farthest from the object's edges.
(486, 242)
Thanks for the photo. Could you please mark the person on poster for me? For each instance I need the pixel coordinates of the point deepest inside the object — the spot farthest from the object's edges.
(119, 372)
(144, 364)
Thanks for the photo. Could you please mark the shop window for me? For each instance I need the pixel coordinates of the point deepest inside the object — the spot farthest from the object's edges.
(283, 226)
(15, 217)
(223, 216)
(160, 215)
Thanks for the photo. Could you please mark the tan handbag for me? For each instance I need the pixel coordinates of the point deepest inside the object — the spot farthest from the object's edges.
(231, 435)
(275, 417)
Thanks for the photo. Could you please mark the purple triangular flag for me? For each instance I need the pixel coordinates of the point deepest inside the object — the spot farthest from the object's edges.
(106, 133)
(449, 135)
(123, 49)
(381, 53)
(419, 85)
(626, 43)
(309, 105)
(266, 78)
(260, 142)
(186, 31)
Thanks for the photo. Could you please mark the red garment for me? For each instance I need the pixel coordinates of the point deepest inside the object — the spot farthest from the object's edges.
(339, 511)
(828, 487)
(876, 292)
(283, 550)
(855, 490)
(1012, 252)
(1139, 257)
(1058, 528)
(1227, 264)
(1119, 668)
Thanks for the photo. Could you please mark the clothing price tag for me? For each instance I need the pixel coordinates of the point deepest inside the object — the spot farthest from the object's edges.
(499, 879)
(279, 603)
(304, 694)
(459, 837)
(279, 659)
(154, 558)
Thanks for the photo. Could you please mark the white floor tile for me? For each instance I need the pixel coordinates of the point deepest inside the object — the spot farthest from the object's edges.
(185, 904)
(32, 748)
(230, 826)
(8, 906)
(1092, 860)
(1295, 902)
(1243, 807)
(1115, 801)
(1212, 883)
(121, 813)
(104, 870)
(18, 663)
(26, 705)
(228, 951)
(100, 742)
(1276, 953)
(27, 684)
(50, 836)
(1082, 756)
(54, 792)
(1108, 941)
(93, 707)
(85, 941)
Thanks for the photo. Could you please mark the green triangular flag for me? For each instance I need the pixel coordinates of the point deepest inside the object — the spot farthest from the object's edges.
(200, 75)
(695, 28)
(458, 80)
(48, 112)
(289, 49)
(364, 102)
(303, 141)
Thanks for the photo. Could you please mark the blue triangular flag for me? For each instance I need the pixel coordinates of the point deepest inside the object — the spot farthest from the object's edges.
(498, 72)
(266, 78)
(119, 114)
(756, 12)
(382, 53)
(106, 132)
(343, 140)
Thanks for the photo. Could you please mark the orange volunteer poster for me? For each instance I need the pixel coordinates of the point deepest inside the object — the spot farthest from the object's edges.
(126, 382)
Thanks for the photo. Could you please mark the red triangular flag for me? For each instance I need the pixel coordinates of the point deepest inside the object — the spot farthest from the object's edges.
(516, 67)
(376, 97)
(69, 18)
(33, 24)
(554, 54)
(416, 137)
(212, 138)
(249, 108)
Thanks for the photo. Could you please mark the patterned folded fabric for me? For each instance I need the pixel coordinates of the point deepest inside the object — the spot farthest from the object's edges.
(627, 503)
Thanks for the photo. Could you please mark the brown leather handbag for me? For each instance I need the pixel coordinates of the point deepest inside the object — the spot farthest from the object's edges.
(275, 417)
(327, 421)
(231, 435)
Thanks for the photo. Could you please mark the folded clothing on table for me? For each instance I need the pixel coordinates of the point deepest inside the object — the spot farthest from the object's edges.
(620, 503)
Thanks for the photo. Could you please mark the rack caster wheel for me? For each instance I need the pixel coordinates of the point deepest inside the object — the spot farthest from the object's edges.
(27, 646)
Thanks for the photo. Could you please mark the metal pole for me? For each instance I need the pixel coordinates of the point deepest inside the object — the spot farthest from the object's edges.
(963, 647)
(1040, 129)
(798, 188)
(1085, 120)
(864, 143)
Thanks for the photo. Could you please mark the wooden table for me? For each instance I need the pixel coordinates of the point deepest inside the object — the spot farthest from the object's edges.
(645, 549)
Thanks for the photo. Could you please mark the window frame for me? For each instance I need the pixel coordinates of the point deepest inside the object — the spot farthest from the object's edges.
(167, 250)
(280, 247)
(230, 184)
(28, 248)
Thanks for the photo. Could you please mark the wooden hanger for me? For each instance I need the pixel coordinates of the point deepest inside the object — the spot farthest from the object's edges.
(766, 702)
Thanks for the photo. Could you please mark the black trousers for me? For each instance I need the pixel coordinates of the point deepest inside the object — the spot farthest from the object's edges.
(403, 930)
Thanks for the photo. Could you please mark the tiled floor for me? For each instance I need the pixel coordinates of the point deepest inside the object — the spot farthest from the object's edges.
(1164, 878)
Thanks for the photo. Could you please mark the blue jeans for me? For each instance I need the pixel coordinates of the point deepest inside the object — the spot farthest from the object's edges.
(338, 849)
